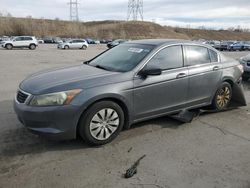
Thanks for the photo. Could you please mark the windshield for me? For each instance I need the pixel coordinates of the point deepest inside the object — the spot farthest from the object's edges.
(122, 58)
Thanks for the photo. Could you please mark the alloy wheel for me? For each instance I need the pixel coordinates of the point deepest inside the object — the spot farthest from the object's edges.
(223, 97)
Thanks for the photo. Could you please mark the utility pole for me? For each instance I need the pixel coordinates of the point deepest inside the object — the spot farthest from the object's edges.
(135, 10)
(73, 10)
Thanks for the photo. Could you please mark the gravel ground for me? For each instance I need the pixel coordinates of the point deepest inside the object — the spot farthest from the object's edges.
(212, 151)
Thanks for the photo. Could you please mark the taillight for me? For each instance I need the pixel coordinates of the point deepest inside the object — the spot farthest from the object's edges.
(240, 66)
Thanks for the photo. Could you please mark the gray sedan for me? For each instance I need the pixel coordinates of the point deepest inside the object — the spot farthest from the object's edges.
(132, 82)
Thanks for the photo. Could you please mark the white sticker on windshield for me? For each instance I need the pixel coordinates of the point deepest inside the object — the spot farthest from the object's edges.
(135, 50)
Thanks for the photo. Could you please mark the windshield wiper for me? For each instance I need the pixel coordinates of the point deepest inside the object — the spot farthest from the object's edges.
(101, 67)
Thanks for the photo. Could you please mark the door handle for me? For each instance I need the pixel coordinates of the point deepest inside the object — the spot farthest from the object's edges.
(216, 68)
(181, 75)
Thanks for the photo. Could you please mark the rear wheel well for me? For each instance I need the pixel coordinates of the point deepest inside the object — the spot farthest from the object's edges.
(117, 101)
(230, 82)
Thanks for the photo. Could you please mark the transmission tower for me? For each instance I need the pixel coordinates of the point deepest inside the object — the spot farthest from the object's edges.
(135, 10)
(73, 10)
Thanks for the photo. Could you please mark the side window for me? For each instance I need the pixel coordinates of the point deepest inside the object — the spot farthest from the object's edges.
(196, 55)
(168, 58)
(213, 56)
(18, 39)
(27, 38)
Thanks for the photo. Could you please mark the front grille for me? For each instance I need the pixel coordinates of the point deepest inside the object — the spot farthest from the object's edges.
(21, 97)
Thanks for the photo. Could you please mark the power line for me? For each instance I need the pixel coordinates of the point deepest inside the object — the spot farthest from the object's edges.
(73, 10)
(135, 10)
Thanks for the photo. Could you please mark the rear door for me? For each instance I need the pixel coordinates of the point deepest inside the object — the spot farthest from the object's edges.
(205, 73)
(166, 92)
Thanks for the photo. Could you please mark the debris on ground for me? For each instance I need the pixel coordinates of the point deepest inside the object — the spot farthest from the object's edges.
(130, 149)
(133, 169)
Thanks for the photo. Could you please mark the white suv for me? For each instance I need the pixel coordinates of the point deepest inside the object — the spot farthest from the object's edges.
(21, 42)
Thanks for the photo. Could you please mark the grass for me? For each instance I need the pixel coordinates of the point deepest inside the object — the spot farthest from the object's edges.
(11, 26)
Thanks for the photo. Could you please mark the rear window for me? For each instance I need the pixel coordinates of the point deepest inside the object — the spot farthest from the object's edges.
(196, 55)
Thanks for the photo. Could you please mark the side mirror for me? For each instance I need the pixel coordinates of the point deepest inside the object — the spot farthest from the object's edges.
(150, 71)
(85, 62)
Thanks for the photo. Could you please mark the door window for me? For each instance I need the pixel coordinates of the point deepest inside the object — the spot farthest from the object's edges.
(196, 55)
(213, 56)
(168, 58)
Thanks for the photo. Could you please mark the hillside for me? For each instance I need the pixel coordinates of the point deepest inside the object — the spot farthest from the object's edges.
(108, 30)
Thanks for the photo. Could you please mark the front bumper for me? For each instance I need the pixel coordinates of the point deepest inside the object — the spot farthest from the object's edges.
(60, 46)
(57, 122)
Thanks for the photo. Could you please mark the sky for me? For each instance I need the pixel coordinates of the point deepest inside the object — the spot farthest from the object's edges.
(214, 14)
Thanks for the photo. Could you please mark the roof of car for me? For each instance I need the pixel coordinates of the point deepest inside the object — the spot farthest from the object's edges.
(159, 42)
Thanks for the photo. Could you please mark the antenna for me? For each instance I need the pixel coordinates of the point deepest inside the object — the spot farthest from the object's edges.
(135, 10)
(73, 11)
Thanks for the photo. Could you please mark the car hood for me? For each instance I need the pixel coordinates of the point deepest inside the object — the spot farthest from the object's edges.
(246, 58)
(76, 77)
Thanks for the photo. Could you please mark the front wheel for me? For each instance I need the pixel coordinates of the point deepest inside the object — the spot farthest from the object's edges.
(101, 123)
(9, 46)
(222, 97)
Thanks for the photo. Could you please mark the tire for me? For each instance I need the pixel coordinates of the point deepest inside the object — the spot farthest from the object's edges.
(101, 123)
(222, 97)
(84, 47)
(66, 47)
(245, 78)
(32, 47)
(9, 46)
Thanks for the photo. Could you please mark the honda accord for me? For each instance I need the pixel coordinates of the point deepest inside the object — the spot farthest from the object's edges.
(133, 82)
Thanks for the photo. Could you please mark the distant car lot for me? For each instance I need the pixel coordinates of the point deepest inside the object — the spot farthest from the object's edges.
(212, 151)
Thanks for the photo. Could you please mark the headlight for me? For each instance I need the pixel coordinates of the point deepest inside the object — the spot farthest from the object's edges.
(54, 99)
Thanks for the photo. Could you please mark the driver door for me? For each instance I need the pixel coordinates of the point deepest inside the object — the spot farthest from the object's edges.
(18, 42)
(163, 93)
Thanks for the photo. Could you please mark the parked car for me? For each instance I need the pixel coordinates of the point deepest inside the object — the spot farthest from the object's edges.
(57, 40)
(237, 46)
(40, 41)
(90, 41)
(116, 43)
(105, 41)
(245, 61)
(48, 40)
(73, 44)
(132, 82)
(3, 39)
(21, 42)
(214, 43)
(97, 42)
(247, 45)
(225, 45)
